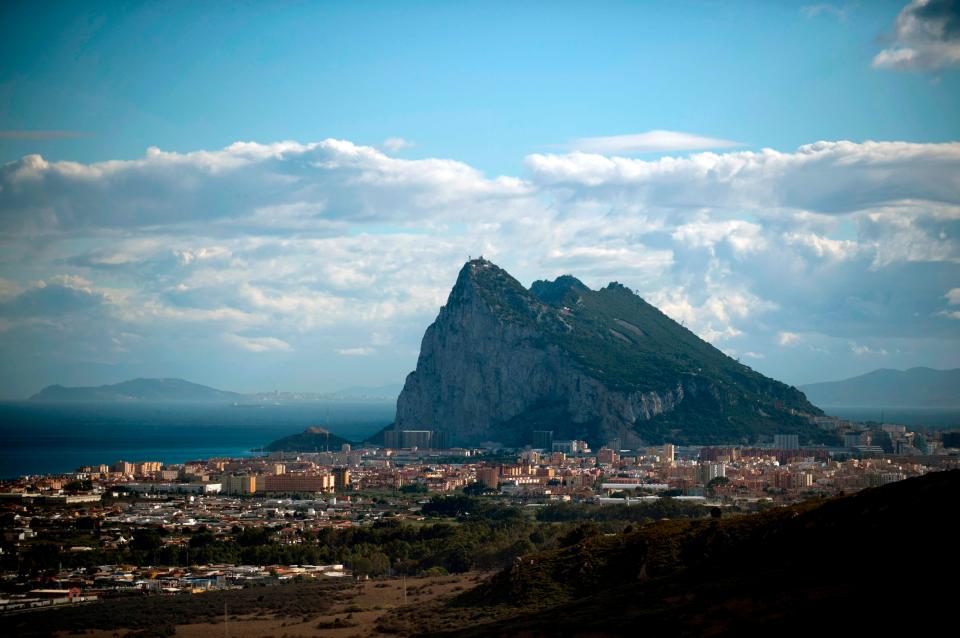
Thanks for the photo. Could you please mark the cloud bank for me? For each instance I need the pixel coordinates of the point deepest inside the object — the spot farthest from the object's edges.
(312, 266)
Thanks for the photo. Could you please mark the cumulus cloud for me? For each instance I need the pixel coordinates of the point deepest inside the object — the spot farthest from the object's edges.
(825, 177)
(785, 338)
(926, 37)
(299, 253)
(649, 142)
(332, 180)
(396, 144)
(55, 297)
(861, 350)
(257, 344)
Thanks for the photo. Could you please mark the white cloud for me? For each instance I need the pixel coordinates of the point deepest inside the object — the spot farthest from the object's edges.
(246, 183)
(861, 350)
(744, 237)
(396, 144)
(836, 249)
(305, 249)
(649, 142)
(927, 37)
(187, 257)
(953, 296)
(825, 177)
(785, 338)
(257, 344)
(362, 351)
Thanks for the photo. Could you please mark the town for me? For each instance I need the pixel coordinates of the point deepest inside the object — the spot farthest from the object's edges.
(174, 515)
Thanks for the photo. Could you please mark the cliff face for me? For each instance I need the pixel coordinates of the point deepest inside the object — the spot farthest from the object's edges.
(501, 361)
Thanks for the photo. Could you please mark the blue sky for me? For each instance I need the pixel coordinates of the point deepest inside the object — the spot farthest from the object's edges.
(611, 140)
(486, 83)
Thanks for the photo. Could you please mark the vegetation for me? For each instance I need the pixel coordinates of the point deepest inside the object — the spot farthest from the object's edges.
(618, 338)
(158, 615)
(313, 439)
(783, 570)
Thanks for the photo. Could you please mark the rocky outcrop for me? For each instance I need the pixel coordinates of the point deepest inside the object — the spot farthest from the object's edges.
(500, 361)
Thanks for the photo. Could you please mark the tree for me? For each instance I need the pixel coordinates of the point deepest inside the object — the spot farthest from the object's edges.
(478, 489)
(580, 532)
(146, 540)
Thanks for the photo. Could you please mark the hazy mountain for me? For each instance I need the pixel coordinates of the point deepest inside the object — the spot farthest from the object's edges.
(916, 387)
(138, 390)
(313, 439)
(500, 361)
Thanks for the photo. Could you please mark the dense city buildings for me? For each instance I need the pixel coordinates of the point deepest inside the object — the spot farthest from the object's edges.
(295, 496)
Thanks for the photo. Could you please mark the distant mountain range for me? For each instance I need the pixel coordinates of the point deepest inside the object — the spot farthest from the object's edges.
(916, 387)
(181, 390)
(138, 390)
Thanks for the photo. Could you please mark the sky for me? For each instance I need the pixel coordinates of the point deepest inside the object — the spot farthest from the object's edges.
(262, 196)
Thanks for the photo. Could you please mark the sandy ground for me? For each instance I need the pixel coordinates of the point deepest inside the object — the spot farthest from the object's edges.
(356, 617)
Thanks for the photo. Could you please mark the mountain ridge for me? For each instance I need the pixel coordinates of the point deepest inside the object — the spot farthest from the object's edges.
(176, 389)
(500, 361)
(888, 387)
(139, 389)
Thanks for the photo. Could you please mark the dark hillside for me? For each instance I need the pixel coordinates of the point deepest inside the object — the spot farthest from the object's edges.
(815, 567)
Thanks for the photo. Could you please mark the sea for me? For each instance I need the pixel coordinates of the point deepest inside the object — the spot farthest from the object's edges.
(918, 417)
(54, 438)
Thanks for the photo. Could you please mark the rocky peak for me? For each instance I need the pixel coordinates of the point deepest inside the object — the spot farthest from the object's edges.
(501, 361)
(565, 290)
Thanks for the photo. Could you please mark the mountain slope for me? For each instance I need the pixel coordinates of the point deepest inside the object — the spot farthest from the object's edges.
(500, 361)
(783, 572)
(916, 387)
(137, 390)
(313, 439)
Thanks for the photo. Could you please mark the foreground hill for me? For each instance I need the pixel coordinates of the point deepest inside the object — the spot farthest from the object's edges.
(138, 390)
(820, 566)
(916, 387)
(501, 361)
(313, 439)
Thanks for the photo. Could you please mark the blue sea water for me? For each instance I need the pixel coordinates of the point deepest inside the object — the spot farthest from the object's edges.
(921, 417)
(48, 438)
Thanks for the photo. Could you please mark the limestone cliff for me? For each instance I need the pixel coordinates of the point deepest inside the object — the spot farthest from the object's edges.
(501, 361)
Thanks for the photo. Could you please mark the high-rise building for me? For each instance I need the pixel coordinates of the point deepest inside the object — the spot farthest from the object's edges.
(607, 456)
(786, 441)
(542, 440)
(298, 483)
(123, 467)
(238, 484)
(341, 478)
(706, 472)
(489, 477)
(422, 439)
(669, 452)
